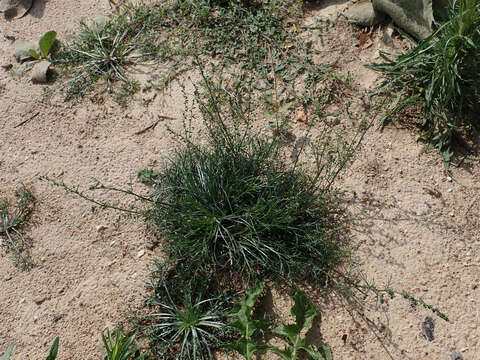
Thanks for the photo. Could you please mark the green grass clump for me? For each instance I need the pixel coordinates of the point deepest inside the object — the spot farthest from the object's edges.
(106, 48)
(188, 312)
(118, 346)
(13, 221)
(234, 205)
(239, 207)
(442, 74)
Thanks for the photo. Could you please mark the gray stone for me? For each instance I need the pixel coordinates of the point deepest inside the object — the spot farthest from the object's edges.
(364, 14)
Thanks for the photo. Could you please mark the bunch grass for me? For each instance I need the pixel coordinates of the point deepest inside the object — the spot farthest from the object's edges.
(441, 75)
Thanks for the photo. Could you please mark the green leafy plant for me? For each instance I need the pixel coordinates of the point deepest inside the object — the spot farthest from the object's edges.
(441, 75)
(118, 346)
(45, 45)
(188, 312)
(13, 221)
(105, 49)
(234, 205)
(303, 310)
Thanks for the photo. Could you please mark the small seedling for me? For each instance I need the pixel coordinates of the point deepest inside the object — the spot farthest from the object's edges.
(120, 346)
(45, 45)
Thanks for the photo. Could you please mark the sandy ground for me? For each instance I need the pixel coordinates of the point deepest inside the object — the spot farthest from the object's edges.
(88, 272)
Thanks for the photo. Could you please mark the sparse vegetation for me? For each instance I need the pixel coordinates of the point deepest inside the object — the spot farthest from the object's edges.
(441, 76)
(245, 37)
(232, 210)
(14, 220)
(105, 49)
(52, 355)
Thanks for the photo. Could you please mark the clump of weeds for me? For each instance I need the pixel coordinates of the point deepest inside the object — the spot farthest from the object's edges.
(441, 77)
(14, 219)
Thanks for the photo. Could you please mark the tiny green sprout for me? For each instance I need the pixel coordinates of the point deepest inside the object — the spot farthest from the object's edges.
(45, 45)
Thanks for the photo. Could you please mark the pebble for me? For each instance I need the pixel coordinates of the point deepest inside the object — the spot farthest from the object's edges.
(141, 253)
(101, 228)
(449, 178)
(112, 243)
(428, 327)
(39, 299)
(456, 356)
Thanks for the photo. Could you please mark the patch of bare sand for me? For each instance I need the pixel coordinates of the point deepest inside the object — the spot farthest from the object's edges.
(86, 278)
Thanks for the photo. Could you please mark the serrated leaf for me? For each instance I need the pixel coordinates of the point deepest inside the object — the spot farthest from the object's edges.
(54, 350)
(303, 310)
(290, 331)
(244, 347)
(242, 311)
(9, 351)
(46, 42)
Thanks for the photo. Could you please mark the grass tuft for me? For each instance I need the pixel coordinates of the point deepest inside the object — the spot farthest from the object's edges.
(13, 221)
(234, 205)
(441, 75)
(187, 312)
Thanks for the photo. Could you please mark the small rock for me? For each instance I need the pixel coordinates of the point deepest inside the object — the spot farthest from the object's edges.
(112, 243)
(363, 14)
(40, 72)
(452, 214)
(456, 356)
(101, 228)
(428, 327)
(449, 178)
(22, 301)
(301, 116)
(151, 245)
(141, 253)
(39, 299)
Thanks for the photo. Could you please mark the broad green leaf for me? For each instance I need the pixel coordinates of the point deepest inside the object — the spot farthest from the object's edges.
(303, 310)
(46, 42)
(34, 54)
(53, 350)
(8, 353)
